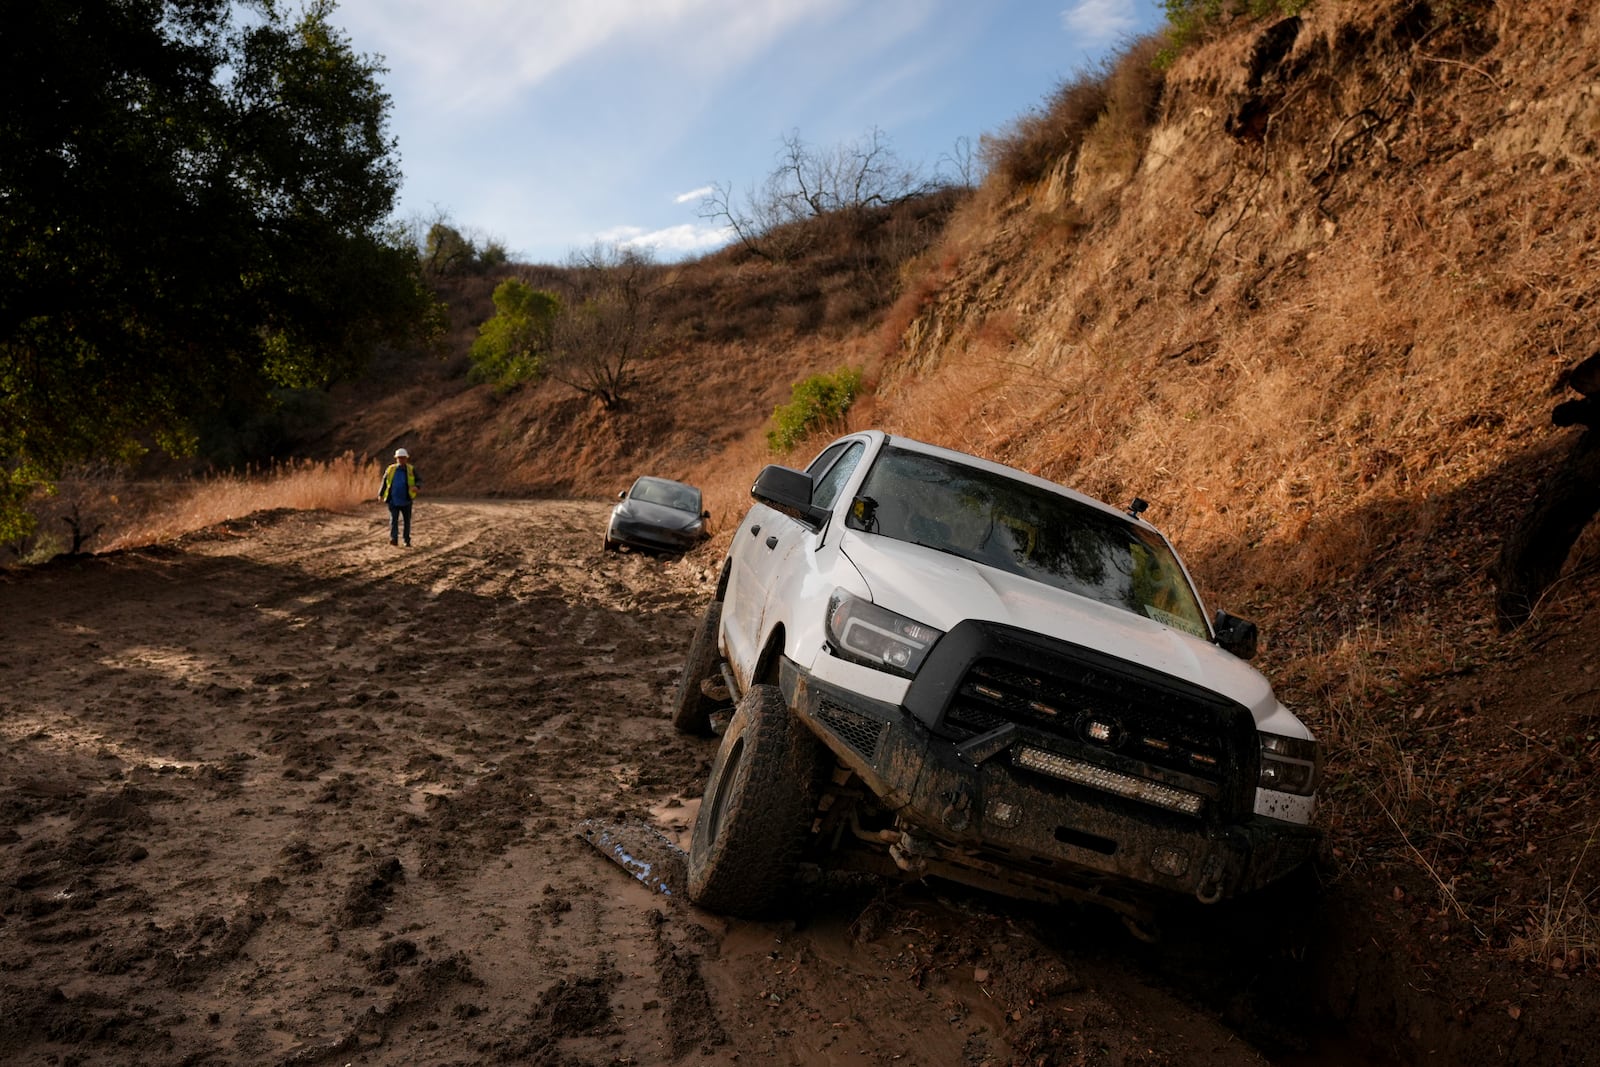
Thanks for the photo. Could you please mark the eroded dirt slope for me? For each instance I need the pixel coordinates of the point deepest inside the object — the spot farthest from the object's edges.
(281, 793)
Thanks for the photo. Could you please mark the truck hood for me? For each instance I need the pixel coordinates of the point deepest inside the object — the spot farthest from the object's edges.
(943, 590)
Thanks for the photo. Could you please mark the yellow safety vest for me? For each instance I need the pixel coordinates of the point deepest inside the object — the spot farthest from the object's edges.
(388, 478)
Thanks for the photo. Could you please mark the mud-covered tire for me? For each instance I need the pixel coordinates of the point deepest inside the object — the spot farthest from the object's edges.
(691, 708)
(755, 816)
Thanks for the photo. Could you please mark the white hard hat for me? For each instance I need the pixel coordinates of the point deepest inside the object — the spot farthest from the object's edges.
(401, 453)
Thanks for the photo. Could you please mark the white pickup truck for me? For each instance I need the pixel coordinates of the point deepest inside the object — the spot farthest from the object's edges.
(923, 663)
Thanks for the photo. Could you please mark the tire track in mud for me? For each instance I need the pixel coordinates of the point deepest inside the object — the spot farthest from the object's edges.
(282, 793)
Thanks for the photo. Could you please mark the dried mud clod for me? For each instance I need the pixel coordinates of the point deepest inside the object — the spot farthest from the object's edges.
(570, 1008)
(205, 944)
(553, 904)
(427, 990)
(577, 1006)
(369, 894)
(299, 857)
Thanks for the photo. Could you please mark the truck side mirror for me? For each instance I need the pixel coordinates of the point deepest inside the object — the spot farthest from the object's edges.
(1236, 635)
(789, 491)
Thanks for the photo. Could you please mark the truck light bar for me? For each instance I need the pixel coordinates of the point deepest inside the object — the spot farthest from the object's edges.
(1123, 785)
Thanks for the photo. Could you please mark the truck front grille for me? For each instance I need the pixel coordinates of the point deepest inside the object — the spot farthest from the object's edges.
(1091, 708)
(859, 731)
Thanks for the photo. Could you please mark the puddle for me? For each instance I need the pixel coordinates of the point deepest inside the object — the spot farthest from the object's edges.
(675, 819)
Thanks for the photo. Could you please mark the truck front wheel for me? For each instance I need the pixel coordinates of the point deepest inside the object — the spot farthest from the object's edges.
(757, 809)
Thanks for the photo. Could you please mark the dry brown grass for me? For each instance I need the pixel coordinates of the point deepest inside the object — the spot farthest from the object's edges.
(1562, 931)
(1037, 142)
(305, 485)
(1107, 112)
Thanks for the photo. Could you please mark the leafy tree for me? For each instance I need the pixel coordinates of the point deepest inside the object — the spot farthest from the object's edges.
(446, 250)
(609, 324)
(492, 255)
(193, 211)
(510, 346)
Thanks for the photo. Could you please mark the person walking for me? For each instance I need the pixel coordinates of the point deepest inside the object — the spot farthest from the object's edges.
(399, 489)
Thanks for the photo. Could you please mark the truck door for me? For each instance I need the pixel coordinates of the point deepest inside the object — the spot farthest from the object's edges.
(762, 551)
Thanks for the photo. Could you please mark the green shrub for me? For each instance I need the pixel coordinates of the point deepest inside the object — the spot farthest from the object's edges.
(1191, 20)
(819, 402)
(511, 346)
(493, 256)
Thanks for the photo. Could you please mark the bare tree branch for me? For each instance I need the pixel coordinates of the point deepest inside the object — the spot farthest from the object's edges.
(608, 325)
(808, 183)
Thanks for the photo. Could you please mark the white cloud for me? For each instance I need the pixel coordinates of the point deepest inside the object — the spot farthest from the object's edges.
(476, 53)
(543, 121)
(672, 242)
(1099, 21)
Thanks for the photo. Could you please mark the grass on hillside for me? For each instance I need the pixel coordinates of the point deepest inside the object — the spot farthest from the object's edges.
(302, 485)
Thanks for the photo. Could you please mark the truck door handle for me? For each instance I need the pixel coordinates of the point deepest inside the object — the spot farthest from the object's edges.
(772, 541)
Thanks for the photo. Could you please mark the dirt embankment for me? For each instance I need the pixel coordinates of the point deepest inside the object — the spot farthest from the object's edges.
(281, 793)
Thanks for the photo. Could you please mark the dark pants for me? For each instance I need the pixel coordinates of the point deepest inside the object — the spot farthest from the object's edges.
(395, 513)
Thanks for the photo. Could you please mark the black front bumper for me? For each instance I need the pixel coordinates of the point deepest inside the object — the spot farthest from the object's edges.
(968, 807)
(654, 538)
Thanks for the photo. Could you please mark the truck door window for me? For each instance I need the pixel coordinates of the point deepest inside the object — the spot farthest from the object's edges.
(831, 483)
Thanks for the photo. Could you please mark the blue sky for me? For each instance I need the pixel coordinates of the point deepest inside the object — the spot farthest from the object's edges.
(549, 125)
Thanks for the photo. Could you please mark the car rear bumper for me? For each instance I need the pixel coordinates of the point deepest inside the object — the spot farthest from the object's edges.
(971, 808)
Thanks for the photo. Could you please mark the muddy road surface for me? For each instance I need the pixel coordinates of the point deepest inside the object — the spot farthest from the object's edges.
(280, 793)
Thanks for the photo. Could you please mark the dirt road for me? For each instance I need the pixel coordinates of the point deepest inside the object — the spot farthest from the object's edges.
(281, 793)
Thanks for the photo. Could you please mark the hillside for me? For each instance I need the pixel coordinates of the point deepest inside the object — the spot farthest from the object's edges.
(736, 330)
(1321, 322)
(1317, 309)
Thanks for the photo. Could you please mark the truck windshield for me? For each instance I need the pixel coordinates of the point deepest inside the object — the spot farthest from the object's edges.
(1025, 530)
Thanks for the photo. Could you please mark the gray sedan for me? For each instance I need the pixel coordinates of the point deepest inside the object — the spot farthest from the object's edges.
(658, 515)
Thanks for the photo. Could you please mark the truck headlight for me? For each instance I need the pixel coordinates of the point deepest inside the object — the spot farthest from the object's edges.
(862, 632)
(1290, 764)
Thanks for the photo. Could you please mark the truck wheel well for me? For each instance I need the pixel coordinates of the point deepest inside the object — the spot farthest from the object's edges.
(766, 672)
